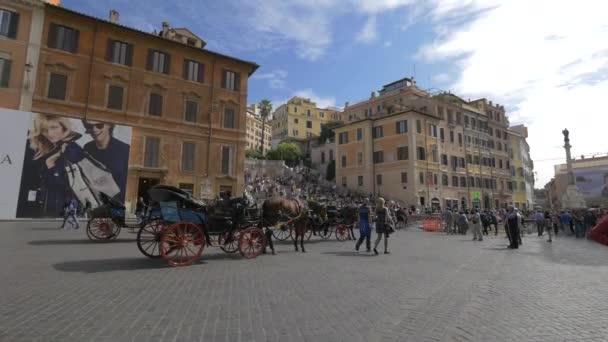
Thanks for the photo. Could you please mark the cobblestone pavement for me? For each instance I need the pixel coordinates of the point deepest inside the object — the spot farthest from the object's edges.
(57, 286)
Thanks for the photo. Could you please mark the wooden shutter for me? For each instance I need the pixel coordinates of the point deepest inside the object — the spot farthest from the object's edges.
(13, 25)
(185, 69)
(52, 38)
(237, 81)
(150, 62)
(6, 72)
(201, 73)
(76, 37)
(224, 79)
(397, 126)
(129, 59)
(167, 64)
(109, 50)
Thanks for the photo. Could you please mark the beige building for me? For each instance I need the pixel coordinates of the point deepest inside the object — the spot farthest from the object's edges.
(300, 119)
(591, 176)
(522, 168)
(254, 130)
(426, 150)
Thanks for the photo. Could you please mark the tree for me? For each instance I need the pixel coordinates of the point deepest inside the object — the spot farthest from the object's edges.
(256, 154)
(287, 151)
(330, 175)
(327, 130)
(265, 109)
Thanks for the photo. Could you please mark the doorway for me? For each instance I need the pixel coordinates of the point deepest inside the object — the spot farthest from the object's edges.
(144, 184)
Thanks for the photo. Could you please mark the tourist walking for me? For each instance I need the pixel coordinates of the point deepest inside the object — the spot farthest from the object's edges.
(384, 225)
(566, 221)
(512, 227)
(365, 230)
(476, 225)
(463, 223)
(539, 218)
(449, 221)
(455, 218)
(548, 224)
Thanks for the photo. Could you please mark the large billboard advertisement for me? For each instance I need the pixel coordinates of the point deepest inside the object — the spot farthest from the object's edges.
(56, 159)
(593, 184)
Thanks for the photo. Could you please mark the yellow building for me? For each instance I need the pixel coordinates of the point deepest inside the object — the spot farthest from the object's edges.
(429, 151)
(299, 118)
(522, 169)
(254, 130)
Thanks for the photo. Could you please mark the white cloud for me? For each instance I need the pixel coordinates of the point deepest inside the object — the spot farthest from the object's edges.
(369, 31)
(552, 72)
(276, 78)
(377, 6)
(388, 43)
(322, 102)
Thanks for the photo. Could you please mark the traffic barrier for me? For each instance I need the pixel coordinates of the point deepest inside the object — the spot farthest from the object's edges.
(432, 224)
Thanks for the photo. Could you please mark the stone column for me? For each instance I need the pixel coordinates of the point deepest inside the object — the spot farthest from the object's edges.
(567, 147)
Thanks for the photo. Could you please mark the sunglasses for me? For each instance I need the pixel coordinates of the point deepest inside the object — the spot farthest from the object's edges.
(89, 127)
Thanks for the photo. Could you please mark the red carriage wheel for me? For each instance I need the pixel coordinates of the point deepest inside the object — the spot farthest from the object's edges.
(182, 243)
(148, 238)
(251, 242)
(341, 232)
(103, 229)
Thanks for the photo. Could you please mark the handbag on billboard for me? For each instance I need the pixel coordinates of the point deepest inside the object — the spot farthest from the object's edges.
(88, 178)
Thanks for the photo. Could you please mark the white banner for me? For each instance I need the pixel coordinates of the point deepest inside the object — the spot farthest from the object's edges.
(13, 133)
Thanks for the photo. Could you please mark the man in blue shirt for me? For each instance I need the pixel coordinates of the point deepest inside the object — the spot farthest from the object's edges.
(111, 152)
(365, 230)
(70, 212)
(566, 220)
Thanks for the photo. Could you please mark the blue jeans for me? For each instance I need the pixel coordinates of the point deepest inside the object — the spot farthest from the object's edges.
(580, 230)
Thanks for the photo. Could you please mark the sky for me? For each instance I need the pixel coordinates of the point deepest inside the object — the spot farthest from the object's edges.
(545, 61)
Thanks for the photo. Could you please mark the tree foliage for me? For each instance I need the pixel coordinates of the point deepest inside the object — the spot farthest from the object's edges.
(287, 151)
(256, 154)
(327, 131)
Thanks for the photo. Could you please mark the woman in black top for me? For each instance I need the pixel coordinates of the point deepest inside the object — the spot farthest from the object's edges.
(384, 224)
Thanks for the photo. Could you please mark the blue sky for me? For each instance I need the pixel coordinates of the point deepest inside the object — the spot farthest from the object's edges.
(548, 72)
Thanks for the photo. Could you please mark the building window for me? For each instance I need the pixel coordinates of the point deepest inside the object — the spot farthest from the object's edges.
(451, 136)
(159, 61)
(359, 158)
(194, 71)
(229, 118)
(9, 21)
(232, 81)
(379, 179)
(360, 180)
(295, 110)
(421, 177)
(462, 163)
(435, 180)
(191, 112)
(152, 151)
(463, 182)
(343, 138)
(321, 114)
(455, 181)
(402, 153)
(460, 139)
(420, 152)
(343, 161)
(187, 187)
(227, 154)
(294, 132)
(418, 127)
(458, 118)
(444, 180)
(378, 157)
(308, 124)
(188, 156)
(63, 38)
(403, 177)
(119, 52)
(433, 130)
(331, 155)
(377, 132)
(295, 120)
(441, 134)
(115, 94)
(344, 183)
(359, 134)
(57, 86)
(500, 163)
(401, 126)
(155, 107)
(308, 112)
(5, 72)
(444, 159)
(322, 157)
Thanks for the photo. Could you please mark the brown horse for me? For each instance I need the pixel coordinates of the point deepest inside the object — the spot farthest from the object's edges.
(278, 210)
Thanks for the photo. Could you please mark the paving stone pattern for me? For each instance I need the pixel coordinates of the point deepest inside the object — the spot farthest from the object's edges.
(57, 286)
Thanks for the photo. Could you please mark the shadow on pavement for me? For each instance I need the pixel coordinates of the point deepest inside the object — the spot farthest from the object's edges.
(75, 242)
(110, 265)
(351, 253)
(309, 242)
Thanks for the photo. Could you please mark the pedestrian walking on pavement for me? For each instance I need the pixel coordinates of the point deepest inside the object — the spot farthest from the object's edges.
(70, 212)
(449, 221)
(475, 220)
(463, 223)
(455, 218)
(365, 230)
(548, 222)
(539, 218)
(512, 226)
(384, 225)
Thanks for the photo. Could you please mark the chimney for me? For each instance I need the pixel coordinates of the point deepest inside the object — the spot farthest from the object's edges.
(114, 15)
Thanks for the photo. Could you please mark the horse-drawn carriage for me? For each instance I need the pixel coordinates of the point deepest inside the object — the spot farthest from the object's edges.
(185, 225)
